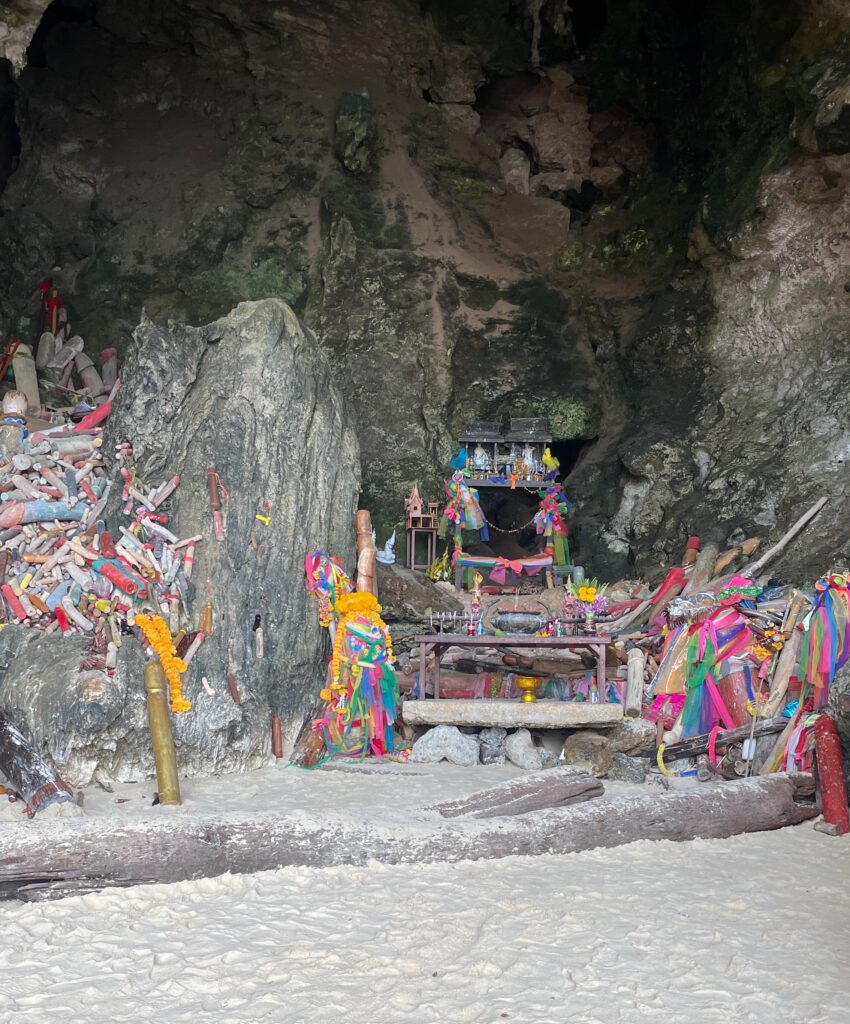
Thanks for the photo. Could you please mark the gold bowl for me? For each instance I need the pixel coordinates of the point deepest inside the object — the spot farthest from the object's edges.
(528, 685)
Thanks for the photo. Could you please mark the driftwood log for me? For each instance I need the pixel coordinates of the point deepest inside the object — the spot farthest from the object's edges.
(532, 791)
(755, 568)
(703, 571)
(694, 745)
(173, 848)
(788, 657)
(31, 775)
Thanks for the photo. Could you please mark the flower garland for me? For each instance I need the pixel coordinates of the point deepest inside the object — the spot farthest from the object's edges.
(350, 607)
(158, 636)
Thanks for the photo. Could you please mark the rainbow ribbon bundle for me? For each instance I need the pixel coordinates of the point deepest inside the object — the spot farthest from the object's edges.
(462, 510)
(724, 634)
(361, 699)
(552, 516)
(361, 705)
(327, 580)
(826, 644)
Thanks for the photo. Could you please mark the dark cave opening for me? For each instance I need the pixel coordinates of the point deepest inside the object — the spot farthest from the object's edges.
(60, 11)
(568, 452)
(509, 515)
(10, 137)
(589, 18)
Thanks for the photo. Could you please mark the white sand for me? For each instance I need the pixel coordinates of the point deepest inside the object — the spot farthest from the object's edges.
(751, 929)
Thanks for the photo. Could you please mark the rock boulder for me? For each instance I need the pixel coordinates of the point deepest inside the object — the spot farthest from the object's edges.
(250, 396)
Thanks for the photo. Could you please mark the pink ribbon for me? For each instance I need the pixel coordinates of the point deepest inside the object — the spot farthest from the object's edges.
(500, 569)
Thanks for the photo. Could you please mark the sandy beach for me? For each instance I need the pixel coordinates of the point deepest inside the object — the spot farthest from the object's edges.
(750, 930)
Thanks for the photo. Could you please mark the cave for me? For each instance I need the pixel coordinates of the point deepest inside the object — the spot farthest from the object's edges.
(616, 178)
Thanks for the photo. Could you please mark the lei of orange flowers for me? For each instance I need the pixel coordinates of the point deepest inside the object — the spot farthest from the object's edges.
(360, 604)
(158, 635)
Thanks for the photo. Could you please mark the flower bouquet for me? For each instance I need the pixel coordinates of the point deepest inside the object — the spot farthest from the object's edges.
(589, 600)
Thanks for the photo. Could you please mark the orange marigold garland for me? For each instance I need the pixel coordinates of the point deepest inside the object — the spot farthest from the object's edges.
(158, 635)
(350, 607)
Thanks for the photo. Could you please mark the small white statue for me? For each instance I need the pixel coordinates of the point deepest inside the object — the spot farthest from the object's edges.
(529, 457)
(386, 556)
(14, 403)
(480, 458)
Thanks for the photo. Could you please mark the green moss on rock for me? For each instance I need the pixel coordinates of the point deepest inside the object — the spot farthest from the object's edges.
(569, 416)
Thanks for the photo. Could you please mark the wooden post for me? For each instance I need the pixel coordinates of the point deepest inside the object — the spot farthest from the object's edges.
(786, 660)
(366, 554)
(277, 737)
(634, 681)
(162, 741)
(756, 567)
(703, 569)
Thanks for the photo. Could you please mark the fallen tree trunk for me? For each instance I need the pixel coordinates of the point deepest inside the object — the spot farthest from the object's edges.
(173, 848)
(37, 781)
(694, 745)
(554, 787)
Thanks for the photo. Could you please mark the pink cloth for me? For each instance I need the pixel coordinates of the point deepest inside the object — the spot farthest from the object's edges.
(666, 707)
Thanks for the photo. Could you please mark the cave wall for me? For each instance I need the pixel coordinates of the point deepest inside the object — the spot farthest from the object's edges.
(631, 219)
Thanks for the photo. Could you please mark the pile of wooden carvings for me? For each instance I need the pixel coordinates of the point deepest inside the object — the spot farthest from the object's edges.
(60, 377)
(737, 673)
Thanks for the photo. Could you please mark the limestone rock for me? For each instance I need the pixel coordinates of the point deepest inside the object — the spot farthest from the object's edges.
(589, 750)
(251, 396)
(446, 742)
(516, 169)
(88, 722)
(628, 769)
(832, 120)
(411, 596)
(18, 21)
(461, 118)
(521, 751)
(562, 144)
(632, 736)
(493, 745)
(356, 132)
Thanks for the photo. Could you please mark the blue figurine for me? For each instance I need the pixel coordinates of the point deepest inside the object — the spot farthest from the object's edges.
(460, 460)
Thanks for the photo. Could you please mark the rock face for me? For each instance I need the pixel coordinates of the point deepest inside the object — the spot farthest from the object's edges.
(252, 397)
(356, 132)
(88, 722)
(645, 247)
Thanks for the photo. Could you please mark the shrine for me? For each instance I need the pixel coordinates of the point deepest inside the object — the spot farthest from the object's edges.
(504, 485)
